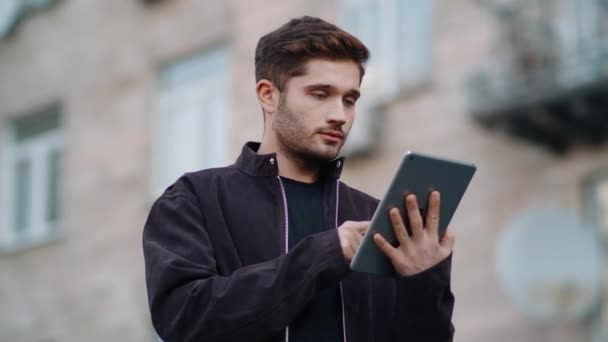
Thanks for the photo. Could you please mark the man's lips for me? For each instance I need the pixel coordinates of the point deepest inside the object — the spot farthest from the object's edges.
(332, 134)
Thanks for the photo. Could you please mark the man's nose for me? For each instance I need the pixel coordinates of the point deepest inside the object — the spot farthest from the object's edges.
(337, 114)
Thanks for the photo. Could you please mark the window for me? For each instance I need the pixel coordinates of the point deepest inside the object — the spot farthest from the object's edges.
(12, 12)
(191, 128)
(398, 35)
(579, 40)
(32, 183)
(595, 190)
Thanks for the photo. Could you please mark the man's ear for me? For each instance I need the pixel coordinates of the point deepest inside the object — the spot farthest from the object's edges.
(268, 96)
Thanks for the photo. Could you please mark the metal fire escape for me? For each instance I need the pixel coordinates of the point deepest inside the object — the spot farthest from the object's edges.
(546, 80)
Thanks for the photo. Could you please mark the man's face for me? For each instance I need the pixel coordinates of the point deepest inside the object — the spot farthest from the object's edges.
(317, 110)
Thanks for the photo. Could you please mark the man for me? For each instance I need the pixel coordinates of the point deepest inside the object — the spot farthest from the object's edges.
(259, 250)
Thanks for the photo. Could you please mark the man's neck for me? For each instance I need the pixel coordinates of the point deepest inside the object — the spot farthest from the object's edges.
(297, 169)
(292, 167)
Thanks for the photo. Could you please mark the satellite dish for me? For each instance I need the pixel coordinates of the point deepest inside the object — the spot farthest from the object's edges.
(550, 265)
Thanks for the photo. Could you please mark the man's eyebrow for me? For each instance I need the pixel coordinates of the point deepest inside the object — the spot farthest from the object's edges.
(328, 87)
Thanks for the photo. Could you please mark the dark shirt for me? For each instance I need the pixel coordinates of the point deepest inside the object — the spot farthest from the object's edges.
(321, 320)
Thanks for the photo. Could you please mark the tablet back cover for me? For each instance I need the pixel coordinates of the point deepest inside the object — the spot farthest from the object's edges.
(418, 174)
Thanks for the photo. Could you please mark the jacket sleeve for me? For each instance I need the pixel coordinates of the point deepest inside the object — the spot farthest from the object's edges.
(424, 306)
(189, 301)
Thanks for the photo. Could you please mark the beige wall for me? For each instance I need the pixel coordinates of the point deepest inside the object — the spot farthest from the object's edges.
(99, 60)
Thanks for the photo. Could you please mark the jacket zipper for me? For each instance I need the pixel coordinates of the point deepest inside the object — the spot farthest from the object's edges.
(286, 235)
(341, 290)
(287, 249)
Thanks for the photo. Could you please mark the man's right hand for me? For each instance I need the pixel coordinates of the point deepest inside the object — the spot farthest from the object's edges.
(351, 235)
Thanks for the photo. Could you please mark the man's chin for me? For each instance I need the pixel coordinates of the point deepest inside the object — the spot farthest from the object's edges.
(328, 154)
(318, 153)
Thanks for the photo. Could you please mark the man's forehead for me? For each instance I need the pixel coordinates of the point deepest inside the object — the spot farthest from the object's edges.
(338, 73)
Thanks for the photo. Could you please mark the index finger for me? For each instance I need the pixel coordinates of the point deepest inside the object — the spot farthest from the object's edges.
(361, 226)
(432, 215)
(384, 246)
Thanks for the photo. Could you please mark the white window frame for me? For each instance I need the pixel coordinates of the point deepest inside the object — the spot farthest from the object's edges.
(193, 100)
(36, 149)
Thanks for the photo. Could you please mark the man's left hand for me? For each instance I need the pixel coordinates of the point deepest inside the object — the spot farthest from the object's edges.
(423, 249)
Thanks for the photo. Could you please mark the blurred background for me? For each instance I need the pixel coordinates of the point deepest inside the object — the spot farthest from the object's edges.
(105, 103)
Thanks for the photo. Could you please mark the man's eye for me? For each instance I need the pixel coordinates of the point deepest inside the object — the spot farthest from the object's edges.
(349, 102)
(319, 95)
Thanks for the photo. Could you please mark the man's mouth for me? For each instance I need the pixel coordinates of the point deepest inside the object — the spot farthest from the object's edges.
(332, 135)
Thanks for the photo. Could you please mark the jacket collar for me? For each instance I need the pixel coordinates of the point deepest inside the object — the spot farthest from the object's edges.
(256, 164)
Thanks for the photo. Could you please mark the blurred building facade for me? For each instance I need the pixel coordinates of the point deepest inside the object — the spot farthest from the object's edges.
(104, 103)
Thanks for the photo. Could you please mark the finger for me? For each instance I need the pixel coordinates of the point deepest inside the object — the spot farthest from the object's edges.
(384, 246)
(357, 237)
(432, 215)
(355, 248)
(416, 224)
(349, 249)
(361, 227)
(353, 251)
(448, 240)
(358, 226)
(398, 226)
(354, 241)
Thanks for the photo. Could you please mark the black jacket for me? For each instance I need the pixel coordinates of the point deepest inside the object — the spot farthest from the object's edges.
(217, 268)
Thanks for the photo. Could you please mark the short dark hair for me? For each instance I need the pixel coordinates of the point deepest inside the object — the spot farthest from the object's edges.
(284, 52)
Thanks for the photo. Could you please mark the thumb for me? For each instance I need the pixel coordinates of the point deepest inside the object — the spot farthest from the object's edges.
(361, 226)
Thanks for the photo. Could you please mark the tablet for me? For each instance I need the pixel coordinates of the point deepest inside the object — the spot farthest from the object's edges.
(418, 174)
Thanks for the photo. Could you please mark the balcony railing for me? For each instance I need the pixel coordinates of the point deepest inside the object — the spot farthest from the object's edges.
(498, 87)
(547, 81)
